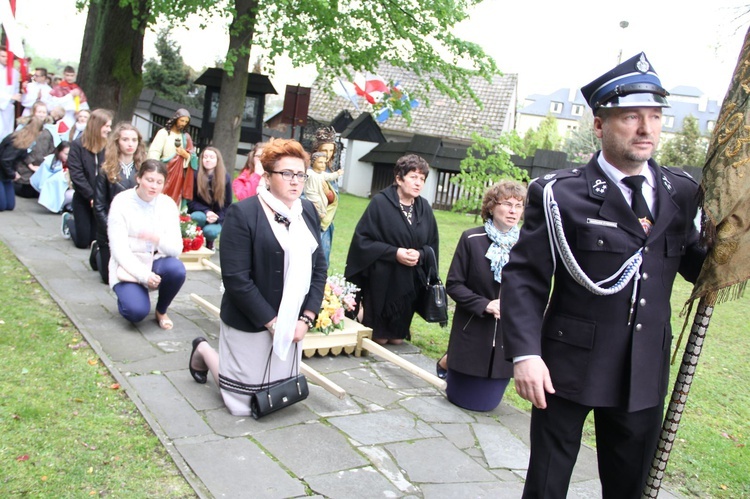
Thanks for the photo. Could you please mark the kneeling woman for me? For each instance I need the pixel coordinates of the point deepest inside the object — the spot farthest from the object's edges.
(477, 372)
(212, 194)
(145, 241)
(274, 273)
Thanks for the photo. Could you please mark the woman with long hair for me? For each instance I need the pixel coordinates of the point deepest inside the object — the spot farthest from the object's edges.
(251, 175)
(123, 156)
(212, 194)
(266, 238)
(145, 240)
(36, 142)
(85, 158)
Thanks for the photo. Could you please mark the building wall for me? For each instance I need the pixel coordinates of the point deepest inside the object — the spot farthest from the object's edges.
(358, 175)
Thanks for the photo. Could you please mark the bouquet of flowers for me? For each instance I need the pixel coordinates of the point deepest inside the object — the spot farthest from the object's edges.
(338, 298)
(192, 235)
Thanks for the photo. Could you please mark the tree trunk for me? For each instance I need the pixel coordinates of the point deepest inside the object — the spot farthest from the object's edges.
(233, 88)
(110, 69)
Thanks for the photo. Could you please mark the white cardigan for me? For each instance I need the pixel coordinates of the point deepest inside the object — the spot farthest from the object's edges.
(129, 215)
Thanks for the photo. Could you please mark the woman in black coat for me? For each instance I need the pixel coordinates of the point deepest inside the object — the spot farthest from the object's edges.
(475, 367)
(387, 251)
(84, 160)
(123, 156)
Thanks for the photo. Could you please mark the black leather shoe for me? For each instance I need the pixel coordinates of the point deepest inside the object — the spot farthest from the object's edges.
(199, 376)
(441, 373)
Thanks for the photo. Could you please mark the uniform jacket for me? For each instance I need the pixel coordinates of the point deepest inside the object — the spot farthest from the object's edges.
(595, 357)
(472, 286)
(252, 266)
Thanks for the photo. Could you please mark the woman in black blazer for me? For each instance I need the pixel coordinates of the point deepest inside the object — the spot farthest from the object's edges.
(84, 161)
(475, 367)
(274, 274)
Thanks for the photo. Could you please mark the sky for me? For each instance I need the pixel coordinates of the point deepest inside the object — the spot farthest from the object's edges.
(550, 44)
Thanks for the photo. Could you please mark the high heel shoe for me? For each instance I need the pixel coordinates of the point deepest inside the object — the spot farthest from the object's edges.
(442, 373)
(199, 376)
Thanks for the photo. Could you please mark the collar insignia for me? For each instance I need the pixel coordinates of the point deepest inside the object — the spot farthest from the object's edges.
(549, 176)
(667, 183)
(599, 187)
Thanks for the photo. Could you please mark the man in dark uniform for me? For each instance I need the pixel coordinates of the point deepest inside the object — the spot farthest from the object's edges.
(599, 339)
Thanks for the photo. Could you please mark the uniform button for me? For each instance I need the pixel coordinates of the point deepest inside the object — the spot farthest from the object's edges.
(600, 243)
(642, 303)
(559, 333)
(645, 249)
(638, 327)
(644, 276)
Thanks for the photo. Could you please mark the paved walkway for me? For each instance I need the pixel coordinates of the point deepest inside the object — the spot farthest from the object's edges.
(393, 435)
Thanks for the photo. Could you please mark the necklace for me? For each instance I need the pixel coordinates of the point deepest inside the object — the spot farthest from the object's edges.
(407, 210)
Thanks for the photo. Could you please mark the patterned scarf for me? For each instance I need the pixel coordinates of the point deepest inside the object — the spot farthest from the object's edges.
(498, 251)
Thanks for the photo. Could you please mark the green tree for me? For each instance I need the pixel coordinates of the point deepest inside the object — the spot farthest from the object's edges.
(686, 148)
(545, 136)
(488, 160)
(339, 38)
(582, 142)
(169, 76)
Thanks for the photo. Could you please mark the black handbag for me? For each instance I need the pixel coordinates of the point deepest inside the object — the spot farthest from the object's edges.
(431, 301)
(271, 398)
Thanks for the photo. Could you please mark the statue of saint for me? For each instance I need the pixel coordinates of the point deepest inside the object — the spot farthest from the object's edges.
(172, 145)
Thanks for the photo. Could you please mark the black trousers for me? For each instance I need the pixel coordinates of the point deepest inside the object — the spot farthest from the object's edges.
(625, 445)
(83, 230)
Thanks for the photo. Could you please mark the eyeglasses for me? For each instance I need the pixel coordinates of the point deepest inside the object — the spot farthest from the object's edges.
(288, 176)
(508, 205)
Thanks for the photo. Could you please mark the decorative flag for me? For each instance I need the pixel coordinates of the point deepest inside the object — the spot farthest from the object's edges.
(396, 101)
(13, 38)
(371, 87)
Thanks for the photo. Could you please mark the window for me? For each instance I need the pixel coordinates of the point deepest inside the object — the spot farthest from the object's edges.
(710, 125)
(668, 121)
(555, 107)
(577, 110)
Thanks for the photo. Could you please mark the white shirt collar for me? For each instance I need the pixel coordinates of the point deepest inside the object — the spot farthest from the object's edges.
(616, 175)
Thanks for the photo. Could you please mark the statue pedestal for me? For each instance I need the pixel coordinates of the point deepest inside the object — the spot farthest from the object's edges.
(347, 340)
(193, 259)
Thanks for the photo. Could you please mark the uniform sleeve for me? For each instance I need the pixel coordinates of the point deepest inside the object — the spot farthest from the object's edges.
(527, 281)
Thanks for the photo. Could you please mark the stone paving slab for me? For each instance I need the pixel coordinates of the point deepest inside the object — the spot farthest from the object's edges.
(393, 435)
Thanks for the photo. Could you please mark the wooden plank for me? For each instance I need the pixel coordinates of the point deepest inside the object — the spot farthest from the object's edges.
(386, 354)
(322, 381)
(210, 307)
(211, 265)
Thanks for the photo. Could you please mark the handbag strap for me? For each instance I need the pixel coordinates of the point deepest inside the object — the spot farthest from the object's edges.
(267, 371)
(431, 264)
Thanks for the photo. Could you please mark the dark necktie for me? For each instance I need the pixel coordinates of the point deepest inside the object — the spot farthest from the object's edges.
(639, 205)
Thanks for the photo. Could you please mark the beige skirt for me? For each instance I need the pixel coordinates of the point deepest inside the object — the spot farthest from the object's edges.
(243, 358)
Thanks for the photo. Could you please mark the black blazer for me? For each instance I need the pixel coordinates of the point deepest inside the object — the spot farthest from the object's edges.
(252, 266)
(83, 167)
(105, 193)
(594, 356)
(472, 286)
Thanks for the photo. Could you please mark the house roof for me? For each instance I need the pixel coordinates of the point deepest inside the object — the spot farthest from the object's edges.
(256, 83)
(443, 118)
(432, 149)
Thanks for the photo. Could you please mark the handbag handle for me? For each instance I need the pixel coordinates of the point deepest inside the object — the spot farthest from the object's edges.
(431, 263)
(267, 373)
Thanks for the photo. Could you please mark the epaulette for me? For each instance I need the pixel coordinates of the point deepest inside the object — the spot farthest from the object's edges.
(679, 172)
(557, 175)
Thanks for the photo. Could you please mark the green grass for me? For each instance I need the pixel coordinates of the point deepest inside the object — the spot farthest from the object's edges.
(67, 429)
(710, 458)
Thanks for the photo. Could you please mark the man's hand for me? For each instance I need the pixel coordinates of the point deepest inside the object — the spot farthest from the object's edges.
(532, 380)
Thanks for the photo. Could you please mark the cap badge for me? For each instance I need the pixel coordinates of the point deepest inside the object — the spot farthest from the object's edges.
(549, 176)
(599, 186)
(666, 182)
(642, 64)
